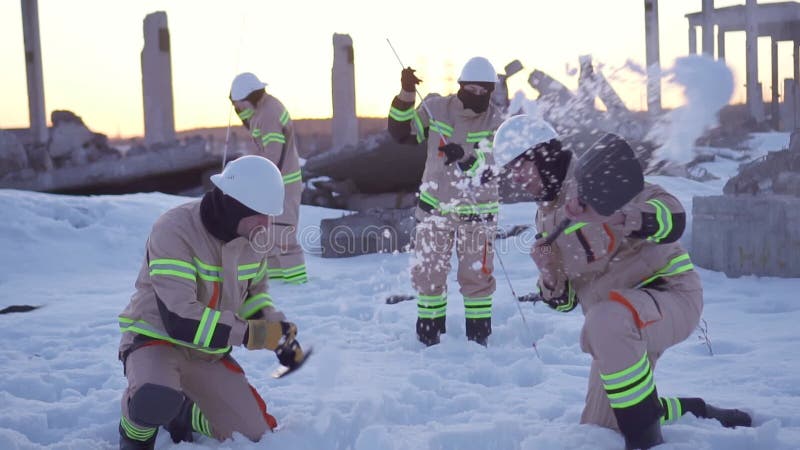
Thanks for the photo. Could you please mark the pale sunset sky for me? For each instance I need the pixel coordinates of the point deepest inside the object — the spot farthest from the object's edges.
(91, 51)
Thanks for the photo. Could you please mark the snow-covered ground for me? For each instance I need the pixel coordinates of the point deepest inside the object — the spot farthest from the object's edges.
(371, 385)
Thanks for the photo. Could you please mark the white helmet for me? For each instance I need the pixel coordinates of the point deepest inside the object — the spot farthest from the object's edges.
(478, 69)
(518, 134)
(255, 182)
(244, 84)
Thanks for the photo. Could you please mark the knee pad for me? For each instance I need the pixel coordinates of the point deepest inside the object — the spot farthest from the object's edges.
(153, 405)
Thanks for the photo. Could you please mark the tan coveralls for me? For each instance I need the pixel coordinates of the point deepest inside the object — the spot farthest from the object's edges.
(193, 296)
(639, 296)
(273, 132)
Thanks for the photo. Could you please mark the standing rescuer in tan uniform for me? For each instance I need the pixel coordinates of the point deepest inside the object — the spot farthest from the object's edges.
(202, 289)
(633, 280)
(273, 132)
(458, 200)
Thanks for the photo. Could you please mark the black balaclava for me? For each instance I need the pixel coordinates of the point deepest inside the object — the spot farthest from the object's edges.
(552, 163)
(245, 114)
(221, 214)
(477, 103)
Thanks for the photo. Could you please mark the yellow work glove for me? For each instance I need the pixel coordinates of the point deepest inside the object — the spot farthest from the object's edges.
(269, 335)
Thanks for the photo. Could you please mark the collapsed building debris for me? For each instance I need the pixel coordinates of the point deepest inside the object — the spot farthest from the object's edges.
(752, 228)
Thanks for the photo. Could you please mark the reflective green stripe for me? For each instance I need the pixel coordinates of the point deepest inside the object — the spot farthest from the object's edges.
(273, 137)
(478, 136)
(199, 421)
(570, 305)
(173, 267)
(575, 227)
(145, 329)
(401, 115)
(275, 273)
(253, 304)
(261, 272)
(480, 208)
(255, 132)
(284, 117)
(481, 158)
(136, 432)
(208, 272)
(293, 177)
(441, 128)
(664, 218)
(676, 265)
(672, 410)
(478, 307)
(464, 210)
(637, 382)
(623, 377)
(429, 199)
(246, 114)
(634, 395)
(208, 323)
(248, 271)
(420, 127)
(431, 306)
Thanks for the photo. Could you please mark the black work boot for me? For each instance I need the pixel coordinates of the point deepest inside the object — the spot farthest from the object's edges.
(729, 418)
(649, 436)
(478, 330)
(429, 330)
(126, 443)
(180, 428)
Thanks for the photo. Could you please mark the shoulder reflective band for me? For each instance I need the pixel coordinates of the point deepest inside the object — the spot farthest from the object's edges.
(284, 117)
(664, 218)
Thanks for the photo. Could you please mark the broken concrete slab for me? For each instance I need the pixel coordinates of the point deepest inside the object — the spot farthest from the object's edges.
(747, 235)
(373, 231)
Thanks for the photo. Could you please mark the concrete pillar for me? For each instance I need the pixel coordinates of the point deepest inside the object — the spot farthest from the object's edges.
(795, 100)
(345, 123)
(33, 67)
(788, 113)
(652, 56)
(708, 28)
(751, 60)
(692, 40)
(159, 116)
(721, 44)
(774, 107)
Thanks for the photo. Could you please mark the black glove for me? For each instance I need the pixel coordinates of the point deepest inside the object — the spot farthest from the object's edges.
(290, 354)
(408, 80)
(453, 152)
(531, 297)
